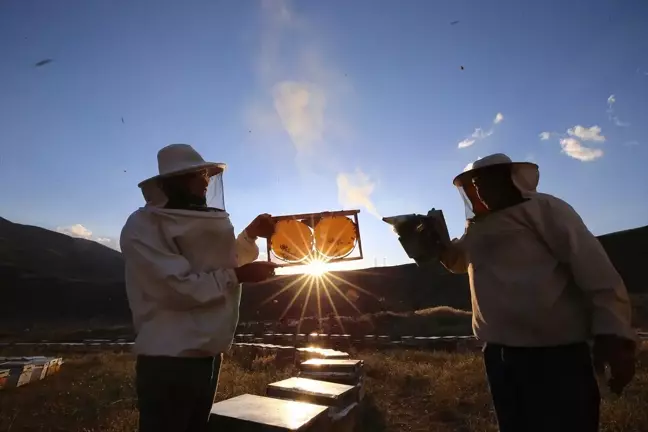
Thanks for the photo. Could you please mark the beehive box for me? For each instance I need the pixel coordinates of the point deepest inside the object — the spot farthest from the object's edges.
(347, 366)
(349, 372)
(407, 340)
(20, 372)
(301, 339)
(369, 341)
(4, 378)
(285, 355)
(340, 398)
(252, 413)
(302, 354)
(383, 340)
(337, 396)
(37, 371)
(286, 338)
(41, 366)
(444, 343)
(340, 341)
(421, 341)
(54, 366)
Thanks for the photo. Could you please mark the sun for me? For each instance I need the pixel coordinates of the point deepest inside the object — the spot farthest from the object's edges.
(315, 268)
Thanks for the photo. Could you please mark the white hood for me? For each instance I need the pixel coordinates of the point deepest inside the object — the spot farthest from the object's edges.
(525, 176)
(155, 197)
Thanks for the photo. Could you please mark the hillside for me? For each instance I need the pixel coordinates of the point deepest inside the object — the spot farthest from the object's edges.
(47, 277)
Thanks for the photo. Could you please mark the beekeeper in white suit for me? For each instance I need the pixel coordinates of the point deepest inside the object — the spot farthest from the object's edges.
(542, 287)
(184, 267)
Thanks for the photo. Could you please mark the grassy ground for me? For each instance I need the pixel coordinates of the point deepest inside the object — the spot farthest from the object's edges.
(407, 391)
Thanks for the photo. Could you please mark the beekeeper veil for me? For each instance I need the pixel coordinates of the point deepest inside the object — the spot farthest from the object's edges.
(180, 160)
(525, 177)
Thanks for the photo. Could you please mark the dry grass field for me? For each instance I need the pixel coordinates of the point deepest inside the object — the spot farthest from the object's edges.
(407, 391)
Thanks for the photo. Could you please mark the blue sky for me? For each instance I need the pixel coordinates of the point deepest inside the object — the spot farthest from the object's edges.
(321, 105)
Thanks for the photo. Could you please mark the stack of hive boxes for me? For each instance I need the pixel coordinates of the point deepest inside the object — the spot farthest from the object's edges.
(340, 371)
(326, 396)
(345, 341)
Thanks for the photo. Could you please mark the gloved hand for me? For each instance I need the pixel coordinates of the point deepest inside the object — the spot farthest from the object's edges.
(262, 226)
(256, 271)
(617, 353)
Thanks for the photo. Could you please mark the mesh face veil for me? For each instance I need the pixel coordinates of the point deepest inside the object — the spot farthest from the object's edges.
(472, 204)
(215, 196)
(215, 193)
(525, 177)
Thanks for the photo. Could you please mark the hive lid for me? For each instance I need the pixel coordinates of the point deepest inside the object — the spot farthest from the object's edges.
(313, 387)
(262, 410)
(333, 362)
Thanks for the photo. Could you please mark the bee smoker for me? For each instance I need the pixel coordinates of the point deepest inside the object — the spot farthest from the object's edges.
(422, 237)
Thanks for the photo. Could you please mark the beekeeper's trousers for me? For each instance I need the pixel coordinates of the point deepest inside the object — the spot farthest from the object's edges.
(175, 394)
(549, 389)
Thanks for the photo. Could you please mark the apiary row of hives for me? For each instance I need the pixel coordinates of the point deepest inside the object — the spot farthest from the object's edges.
(345, 341)
(326, 395)
(20, 371)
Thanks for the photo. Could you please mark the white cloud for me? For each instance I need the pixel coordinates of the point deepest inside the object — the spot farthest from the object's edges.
(574, 148)
(480, 134)
(76, 230)
(611, 100)
(587, 134)
(355, 189)
(79, 231)
(466, 143)
(544, 136)
(300, 107)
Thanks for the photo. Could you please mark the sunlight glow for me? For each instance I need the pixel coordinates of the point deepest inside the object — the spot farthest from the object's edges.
(316, 268)
(316, 274)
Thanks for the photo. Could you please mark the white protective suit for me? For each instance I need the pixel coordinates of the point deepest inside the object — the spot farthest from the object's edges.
(538, 276)
(182, 290)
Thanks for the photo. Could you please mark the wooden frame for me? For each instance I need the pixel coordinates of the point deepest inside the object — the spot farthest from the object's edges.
(311, 220)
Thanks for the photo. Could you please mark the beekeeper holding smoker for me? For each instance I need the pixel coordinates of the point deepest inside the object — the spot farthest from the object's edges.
(184, 269)
(542, 287)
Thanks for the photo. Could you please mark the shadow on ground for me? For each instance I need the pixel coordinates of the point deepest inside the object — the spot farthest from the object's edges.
(371, 419)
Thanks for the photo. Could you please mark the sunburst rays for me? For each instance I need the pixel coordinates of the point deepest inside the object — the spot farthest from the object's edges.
(318, 282)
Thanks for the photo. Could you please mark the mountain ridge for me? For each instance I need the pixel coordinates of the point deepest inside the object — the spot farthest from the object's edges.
(54, 278)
